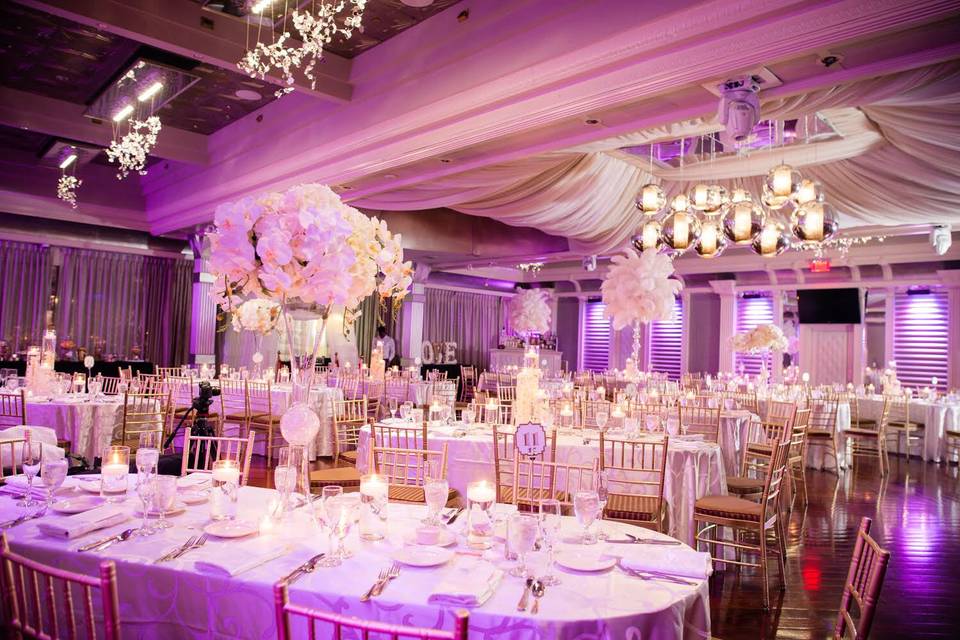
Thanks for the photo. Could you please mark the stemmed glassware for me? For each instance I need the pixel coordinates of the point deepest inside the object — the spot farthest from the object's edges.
(328, 516)
(524, 528)
(30, 453)
(285, 476)
(603, 493)
(550, 523)
(586, 506)
(164, 497)
(405, 410)
(468, 415)
(602, 416)
(392, 405)
(436, 490)
(148, 456)
(53, 471)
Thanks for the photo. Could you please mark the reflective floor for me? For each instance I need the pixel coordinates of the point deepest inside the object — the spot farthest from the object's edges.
(916, 514)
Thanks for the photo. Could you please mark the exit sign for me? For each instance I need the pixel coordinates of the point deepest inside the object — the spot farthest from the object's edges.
(820, 265)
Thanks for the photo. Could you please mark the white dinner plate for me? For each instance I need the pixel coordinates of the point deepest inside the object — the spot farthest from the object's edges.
(77, 505)
(194, 497)
(445, 539)
(230, 528)
(419, 556)
(579, 560)
(90, 486)
(177, 508)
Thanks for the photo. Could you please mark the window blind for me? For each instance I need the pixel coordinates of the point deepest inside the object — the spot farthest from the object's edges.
(920, 332)
(752, 312)
(596, 337)
(666, 343)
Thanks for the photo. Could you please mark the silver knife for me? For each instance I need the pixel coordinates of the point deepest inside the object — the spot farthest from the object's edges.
(306, 567)
(455, 515)
(650, 541)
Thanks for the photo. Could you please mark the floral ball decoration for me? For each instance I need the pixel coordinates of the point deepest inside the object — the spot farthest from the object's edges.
(639, 289)
(529, 312)
(304, 245)
(765, 337)
(256, 315)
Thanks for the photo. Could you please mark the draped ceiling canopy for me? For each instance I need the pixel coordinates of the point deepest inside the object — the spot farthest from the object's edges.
(894, 162)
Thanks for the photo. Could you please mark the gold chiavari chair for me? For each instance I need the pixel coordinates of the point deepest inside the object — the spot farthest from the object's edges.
(9, 457)
(951, 444)
(506, 394)
(822, 429)
(754, 461)
(374, 392)
(233, 404)
(405, 470)
(505, 413)
(505, 380)
(504, 455)
(751, 521)
(142, 413)
(42, 601)
(636, 473)
(13, 408)
(200, 452)
(868, 566)
(781, 413)
(445, 392)
(261, 416)
(589, 410)
(468, 375)
(701, 420)
(166, 372)
(867, 442)
(397, 389)
(536, 480)
(746, 400)
(349, 384)
(348, 418)
(400, 436)
(126, 373)
(797, 459)
(856, 414)
(901, 427)
(109, 385)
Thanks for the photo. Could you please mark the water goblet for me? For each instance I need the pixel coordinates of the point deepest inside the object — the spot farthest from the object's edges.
(327, 516)
(602, 483)
(146, 489)
(586, 505)
(602, 416)
(436, 491)
(53, 471)
(30, 453)
(164, 497)
(550, 525)
(392, 405)
(468, 415)
(524, 528)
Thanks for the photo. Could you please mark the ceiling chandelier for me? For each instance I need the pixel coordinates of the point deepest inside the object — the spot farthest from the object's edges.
(68, 183)
(791, 211)
(316, 26)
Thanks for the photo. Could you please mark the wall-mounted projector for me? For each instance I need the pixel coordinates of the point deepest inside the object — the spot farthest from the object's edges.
(739, 106)
(590, 263)
(940, 238)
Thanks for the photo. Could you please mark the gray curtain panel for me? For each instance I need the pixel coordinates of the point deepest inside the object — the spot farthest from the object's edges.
(472, 320)
(26, 277)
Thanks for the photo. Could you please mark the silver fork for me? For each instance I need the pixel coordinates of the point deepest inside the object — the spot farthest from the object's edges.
(170, 555)
(196, 545)
(383, 576)
(391, 574)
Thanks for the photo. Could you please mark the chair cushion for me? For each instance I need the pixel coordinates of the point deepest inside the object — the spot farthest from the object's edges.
(912, 426)
(411, 493)
(344, 476)
(349, 455)
(631, 507)
(729, 507)
(741, 485)
(757, 447)
(529, 496)
(819, 433)
(862, 433)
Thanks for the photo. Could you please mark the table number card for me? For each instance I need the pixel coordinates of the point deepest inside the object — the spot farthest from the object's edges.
(530, 439)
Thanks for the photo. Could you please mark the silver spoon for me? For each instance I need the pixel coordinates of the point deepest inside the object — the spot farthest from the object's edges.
(538, 590)
(525, 597)
(120, 537)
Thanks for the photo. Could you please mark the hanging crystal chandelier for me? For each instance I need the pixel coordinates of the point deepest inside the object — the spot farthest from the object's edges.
(130, 151)
(712, 239)
(68, 183)
(316, 26)
(771, 241)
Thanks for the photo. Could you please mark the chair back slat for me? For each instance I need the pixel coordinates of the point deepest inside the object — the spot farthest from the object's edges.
(505, 452)
(536, 480)
(13, 408)
(214, 448)
(701, 420)
(868, 566)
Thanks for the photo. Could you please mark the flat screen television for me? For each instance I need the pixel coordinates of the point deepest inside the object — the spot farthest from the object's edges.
(829, 306)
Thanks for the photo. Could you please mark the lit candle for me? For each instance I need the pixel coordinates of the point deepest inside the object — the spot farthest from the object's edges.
(618, 412)
(373, 486)
(805, 377)
(266, 525)
(566, 410)
(681, 231)
(481, 492)
(226, 472)
(934, 380)
(813, 221)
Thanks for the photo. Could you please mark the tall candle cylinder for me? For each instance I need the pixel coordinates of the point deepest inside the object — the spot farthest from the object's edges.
(114, 473)
(223, 495)
(480, 499)
(373, 507)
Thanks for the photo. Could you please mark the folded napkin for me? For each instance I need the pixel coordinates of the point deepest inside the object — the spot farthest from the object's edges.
(17, 486)
(678, 561)
(193, 479)
(231, 558)
(80, 524)
(469, 584)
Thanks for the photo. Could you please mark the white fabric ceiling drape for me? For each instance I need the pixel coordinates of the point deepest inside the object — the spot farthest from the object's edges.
(897, 165)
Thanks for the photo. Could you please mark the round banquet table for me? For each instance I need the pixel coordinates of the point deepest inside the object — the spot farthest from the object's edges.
(195, 597)
(694, 469)
(87, 425)
(936, 417)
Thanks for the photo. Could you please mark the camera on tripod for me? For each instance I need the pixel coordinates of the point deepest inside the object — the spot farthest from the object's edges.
(199, 411)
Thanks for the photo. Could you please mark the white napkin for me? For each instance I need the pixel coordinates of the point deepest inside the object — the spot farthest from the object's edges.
(17, 486)
(230, 558)
(83, 523)
(193, 479)
(469, 584)
(679, 561)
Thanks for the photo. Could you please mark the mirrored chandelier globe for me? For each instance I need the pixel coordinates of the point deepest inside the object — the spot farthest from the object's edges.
(780, 186)
(648, 237)
(743, 222)
(708, 198)
(771, 241)
(651, 199)
(740, 195)
(815, 222)
(680, 231)
(712, 239)
(808, 191)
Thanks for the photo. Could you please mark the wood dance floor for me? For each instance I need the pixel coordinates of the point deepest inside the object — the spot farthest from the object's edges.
(916, 513)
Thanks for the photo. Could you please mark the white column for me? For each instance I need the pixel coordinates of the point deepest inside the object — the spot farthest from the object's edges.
(889, 326)
(685, 333)
(413, 314)
(860, 342)
(776, 358)
(203, 317)
(726, 289)
(951, 281)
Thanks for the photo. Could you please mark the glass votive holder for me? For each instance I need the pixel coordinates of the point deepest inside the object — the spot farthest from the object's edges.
(373, 507)
(114, 472)
(223, 495)
(481, 497)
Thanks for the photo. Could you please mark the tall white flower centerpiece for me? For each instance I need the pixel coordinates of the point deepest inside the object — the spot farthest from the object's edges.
(307, 251)
(639, 290)
(260, 317)
(762, 339)
(529, 312)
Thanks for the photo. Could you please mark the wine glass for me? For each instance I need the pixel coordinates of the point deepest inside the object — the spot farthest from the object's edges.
(30, 453)
(586, 505)
(392, 405)
(146, 489)
(550, 524)
(602, 416)
(164, 497)
(405, 410)
(468, 415)
(53, 471)
(285, 476)
(524, 528)
(436, 491)
(327, 517)
(602, 483)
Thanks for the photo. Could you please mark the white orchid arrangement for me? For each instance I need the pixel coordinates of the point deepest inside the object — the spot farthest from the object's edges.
(765, 337)
(131, 151)
(257, 315)
(529, 312)
(67, 187)
(639, 289)
(305, 247)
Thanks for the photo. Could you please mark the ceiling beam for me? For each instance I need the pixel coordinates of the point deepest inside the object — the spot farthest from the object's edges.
(187, 29)
(62, 119)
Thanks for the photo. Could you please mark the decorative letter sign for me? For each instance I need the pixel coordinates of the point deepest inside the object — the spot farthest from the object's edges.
(438, 352)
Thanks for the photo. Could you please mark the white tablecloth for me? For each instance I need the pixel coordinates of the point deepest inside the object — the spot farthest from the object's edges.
(176, 600)
(936, 417)
(87, 425)
(694, 469)
(502, 358)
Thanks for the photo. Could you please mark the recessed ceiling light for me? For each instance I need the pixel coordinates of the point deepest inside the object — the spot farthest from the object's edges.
(122, 115)
(70, 159)
(247, 94)
(151, 91)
